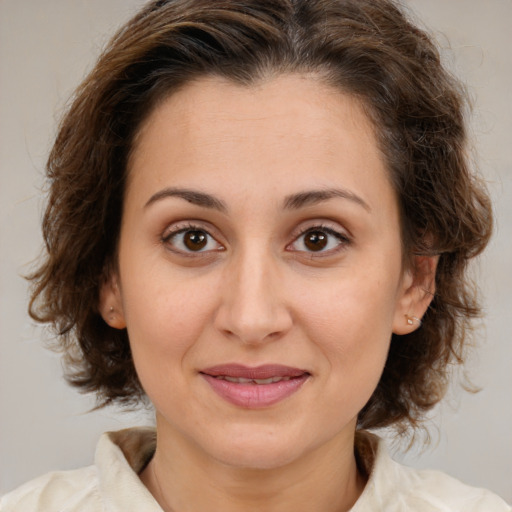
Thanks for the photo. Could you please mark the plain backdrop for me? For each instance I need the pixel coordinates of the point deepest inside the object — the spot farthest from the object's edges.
(46, 46)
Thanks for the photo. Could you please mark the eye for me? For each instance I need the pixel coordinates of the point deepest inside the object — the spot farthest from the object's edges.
(319, 239)
(191, 240)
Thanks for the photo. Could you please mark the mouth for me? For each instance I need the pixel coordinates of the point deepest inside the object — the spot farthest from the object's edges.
(242, 380)
(254, 387)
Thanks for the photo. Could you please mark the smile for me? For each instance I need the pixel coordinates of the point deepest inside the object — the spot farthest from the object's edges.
(257, 387)
(242, 380)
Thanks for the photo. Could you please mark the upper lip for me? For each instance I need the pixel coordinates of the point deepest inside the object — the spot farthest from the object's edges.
(265, 371)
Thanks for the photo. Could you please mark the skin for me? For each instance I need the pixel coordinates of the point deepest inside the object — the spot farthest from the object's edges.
(257, 294)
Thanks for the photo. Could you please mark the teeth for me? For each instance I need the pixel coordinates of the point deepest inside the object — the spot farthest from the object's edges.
(264, 381)
(238, 380)
(242, 380)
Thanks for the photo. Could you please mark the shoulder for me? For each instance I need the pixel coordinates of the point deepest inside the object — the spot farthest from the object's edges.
(65, 490)
(111, 483)
(436, 491)
(397, 488)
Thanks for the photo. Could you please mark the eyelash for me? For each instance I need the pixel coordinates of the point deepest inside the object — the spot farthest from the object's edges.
(343, 240)
(167, 239)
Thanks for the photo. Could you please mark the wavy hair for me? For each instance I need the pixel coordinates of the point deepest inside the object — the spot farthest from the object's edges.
(367, 48)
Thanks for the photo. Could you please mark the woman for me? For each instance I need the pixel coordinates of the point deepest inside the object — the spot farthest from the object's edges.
(260, 219)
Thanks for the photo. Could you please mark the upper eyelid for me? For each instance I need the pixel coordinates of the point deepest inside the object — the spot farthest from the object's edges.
(344, 238)
(188, 225)
(168, 235)
(304, 227)
(327, 229)
(330, 226)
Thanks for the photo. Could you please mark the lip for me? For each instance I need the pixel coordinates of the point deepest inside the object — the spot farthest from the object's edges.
(254, 395)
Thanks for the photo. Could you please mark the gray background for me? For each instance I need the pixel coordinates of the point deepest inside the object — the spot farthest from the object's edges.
(45, 48)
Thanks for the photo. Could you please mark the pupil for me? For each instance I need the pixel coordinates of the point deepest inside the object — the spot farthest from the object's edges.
(195, 240)
(316, 240)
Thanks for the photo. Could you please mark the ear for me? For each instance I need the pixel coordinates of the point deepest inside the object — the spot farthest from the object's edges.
(416, 293)
(110, 303)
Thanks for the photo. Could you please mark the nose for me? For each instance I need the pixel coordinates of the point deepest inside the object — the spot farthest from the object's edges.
(253, 307)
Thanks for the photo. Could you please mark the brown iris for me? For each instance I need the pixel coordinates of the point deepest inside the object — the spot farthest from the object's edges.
(315, 240)
(195, 240)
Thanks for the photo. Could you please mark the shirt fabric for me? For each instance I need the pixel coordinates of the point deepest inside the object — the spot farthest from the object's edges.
(112, 484)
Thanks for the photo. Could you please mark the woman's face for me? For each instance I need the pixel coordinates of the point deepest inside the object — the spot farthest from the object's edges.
(260, 269)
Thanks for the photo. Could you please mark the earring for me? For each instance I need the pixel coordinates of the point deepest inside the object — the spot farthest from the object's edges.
(412, 319)
(111, 312)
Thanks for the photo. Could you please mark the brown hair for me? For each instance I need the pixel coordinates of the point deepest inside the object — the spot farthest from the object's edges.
(367, 48)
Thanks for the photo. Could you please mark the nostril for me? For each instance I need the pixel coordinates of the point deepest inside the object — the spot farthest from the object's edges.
(252, 316)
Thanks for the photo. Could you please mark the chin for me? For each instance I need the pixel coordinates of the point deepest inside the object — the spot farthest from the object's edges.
(256, 458)
(260, 451)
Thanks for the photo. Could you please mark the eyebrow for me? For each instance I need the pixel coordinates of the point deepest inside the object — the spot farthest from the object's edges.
(192, 196)
(312, 197)
(292, 202)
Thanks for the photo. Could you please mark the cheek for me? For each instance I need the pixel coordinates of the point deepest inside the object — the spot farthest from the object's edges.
(165, 316)
(350, 321)
(350, 307)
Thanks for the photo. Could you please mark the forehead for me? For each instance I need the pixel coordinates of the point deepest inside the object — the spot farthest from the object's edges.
(288, 130)
(282, 101)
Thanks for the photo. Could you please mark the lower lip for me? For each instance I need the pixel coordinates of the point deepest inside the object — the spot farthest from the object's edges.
(255, 396)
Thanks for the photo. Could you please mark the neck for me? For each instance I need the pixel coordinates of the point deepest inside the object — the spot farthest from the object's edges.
(326, 478)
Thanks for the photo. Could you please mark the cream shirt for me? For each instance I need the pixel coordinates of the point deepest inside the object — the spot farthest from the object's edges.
(112, 483)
